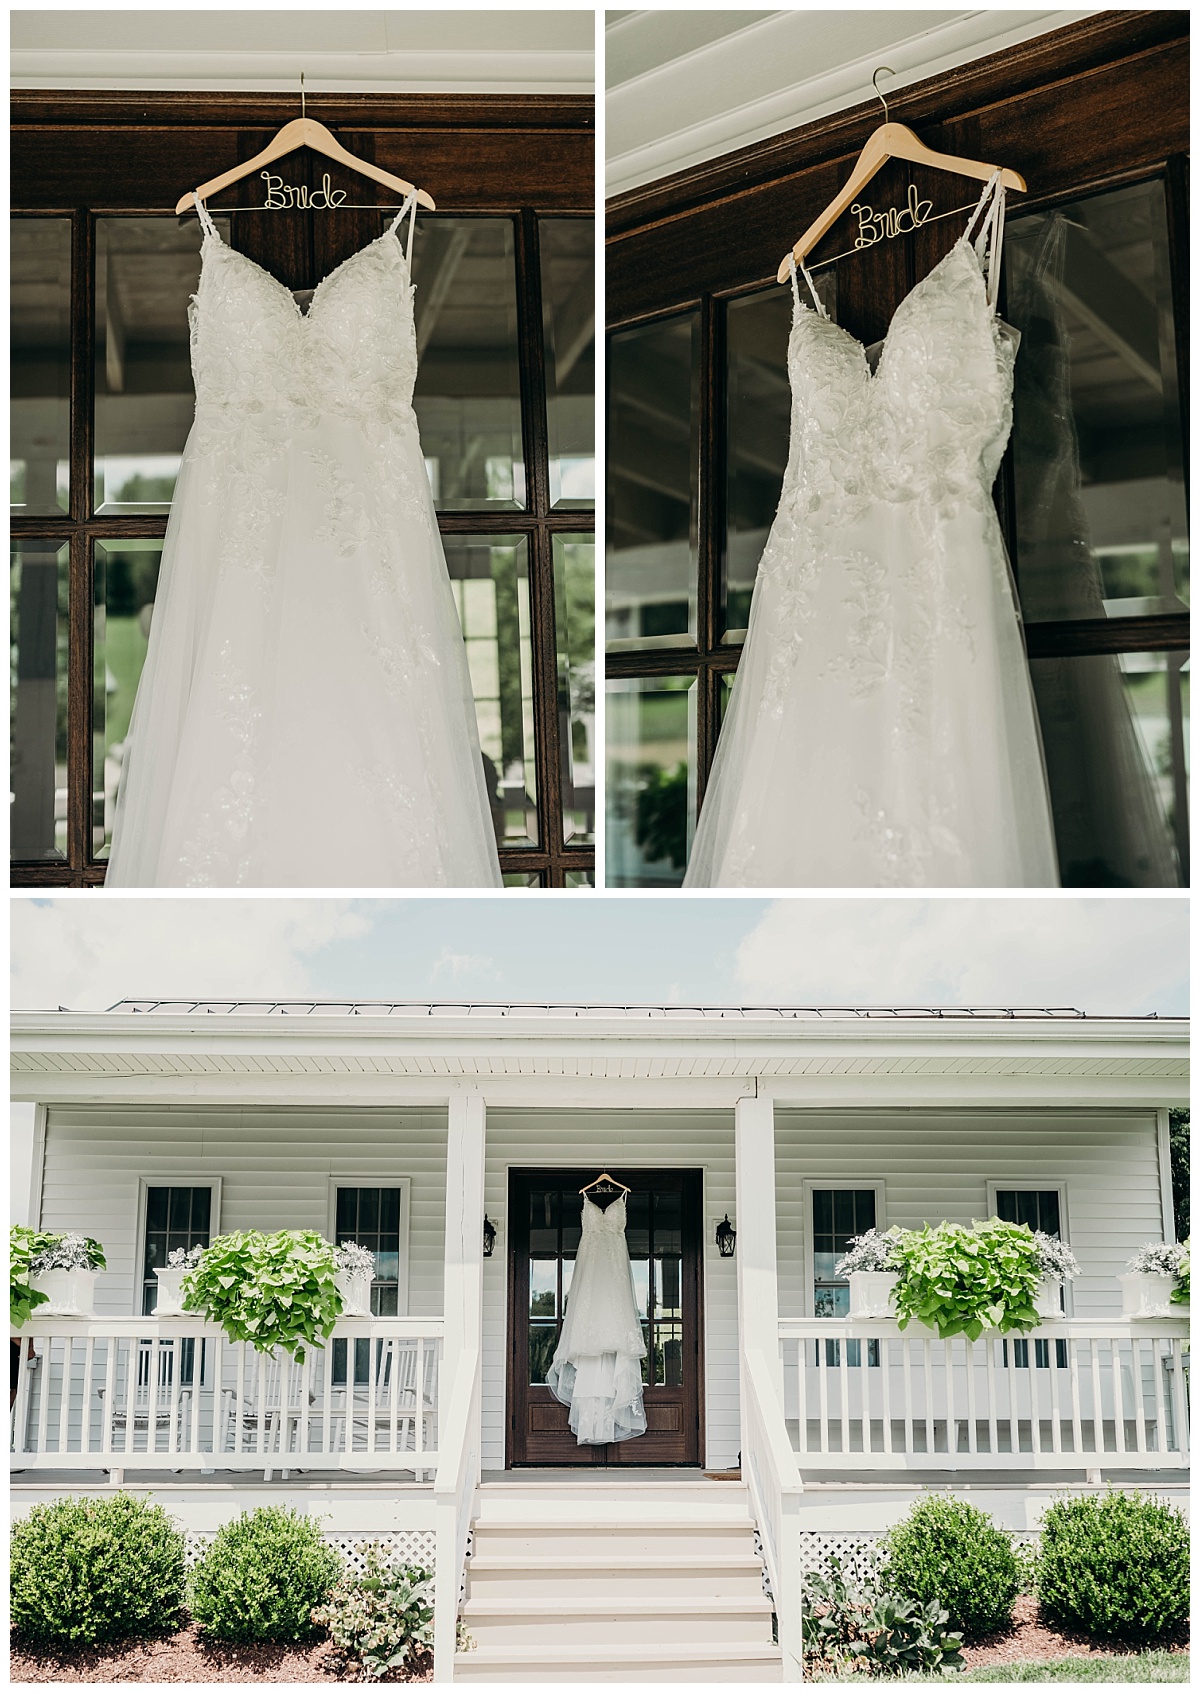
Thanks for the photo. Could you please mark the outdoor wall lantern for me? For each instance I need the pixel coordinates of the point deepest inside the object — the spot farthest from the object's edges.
(726, 1237)
(489, 1236)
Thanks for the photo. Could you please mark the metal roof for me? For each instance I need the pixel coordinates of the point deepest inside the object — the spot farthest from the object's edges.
(582, 1009)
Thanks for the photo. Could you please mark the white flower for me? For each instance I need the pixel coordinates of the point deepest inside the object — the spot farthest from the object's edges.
(1055, 1257)
(354, 1260)
(1157, 1259)
(870, 1251)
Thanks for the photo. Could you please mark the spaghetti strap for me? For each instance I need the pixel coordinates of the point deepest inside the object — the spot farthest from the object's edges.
(990, 239)
(393, 229)
(812, 287)
(206, 222)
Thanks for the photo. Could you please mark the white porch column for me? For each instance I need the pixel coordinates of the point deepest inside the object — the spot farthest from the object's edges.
(757, 1275)
(466, 1147)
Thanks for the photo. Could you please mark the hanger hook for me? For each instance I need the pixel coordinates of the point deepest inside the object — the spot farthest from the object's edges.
(883, 70)
(303, 112)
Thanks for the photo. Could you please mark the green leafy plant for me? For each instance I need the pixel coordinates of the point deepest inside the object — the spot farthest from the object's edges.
(23, 1246)
(270, 1290)
(872, 1631)
(382, 1616)
(962, 1281)
(948, 1552)
(1114, 1565)
(262, 1577)
(1181, 1293)
(83, 1571)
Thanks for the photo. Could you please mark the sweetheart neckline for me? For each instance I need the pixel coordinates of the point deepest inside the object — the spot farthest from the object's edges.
(303, 317)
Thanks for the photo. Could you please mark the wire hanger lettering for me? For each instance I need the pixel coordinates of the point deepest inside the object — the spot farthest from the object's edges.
(281, 194)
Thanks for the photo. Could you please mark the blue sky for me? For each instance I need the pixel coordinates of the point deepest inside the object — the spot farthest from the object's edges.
(1101, 955)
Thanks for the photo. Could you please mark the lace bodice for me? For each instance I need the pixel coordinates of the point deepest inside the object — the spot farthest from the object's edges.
(600, 1219)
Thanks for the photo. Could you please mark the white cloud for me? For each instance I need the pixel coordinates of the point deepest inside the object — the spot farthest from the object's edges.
(87, 953)
(461, 966)
(1123, 956)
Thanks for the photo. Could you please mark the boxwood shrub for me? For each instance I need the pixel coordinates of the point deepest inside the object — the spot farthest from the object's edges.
(1114, 1565)
(85, 1571)
(262, 1576)
(951, 1552)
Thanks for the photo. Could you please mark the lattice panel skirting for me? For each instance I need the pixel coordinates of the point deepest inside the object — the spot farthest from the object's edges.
(407, 1546)
(859, 1553)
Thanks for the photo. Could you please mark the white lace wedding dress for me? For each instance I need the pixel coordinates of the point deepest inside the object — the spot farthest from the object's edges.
(597, 1365)
(882, 729)
(305, 716)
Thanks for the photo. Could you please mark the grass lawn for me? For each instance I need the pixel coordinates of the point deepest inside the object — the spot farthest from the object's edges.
(1144, 1666)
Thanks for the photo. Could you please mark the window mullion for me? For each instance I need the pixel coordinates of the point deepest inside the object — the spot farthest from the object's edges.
(79, 601)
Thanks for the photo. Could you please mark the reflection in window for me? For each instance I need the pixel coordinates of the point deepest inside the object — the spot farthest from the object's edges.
(575, 634)
(1101, 522)
(146, 271)
(40, 365)
(38, 725)
(468, 394)
(490, 578)
(838, 1214)
(569, 327)
(651, 740)
(653, 464)
(126, 576)
(758, 423)
(580, 879)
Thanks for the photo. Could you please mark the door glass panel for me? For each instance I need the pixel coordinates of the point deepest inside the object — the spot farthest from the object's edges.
(543, 1287)
(653, 465)
(543, 1221)
(147, 269)
(651, 729)
(126, 577)
(38, 725)
(575, 638)
(758, 423)
(569, 326)
(543, 1338)
(490, 578)
(40, 365)
(468, 393)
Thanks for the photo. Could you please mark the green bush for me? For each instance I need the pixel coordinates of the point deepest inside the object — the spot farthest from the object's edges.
(962, 1281)
(872, 1631)
(381, 1617)
(1114, 1565)
(267, 1289)
(262, 1577)
(83, 1571)
(23, 1245)
(949, 1552)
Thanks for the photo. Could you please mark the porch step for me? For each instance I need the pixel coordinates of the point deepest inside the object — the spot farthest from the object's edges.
(616, 1581)
(644, 1663)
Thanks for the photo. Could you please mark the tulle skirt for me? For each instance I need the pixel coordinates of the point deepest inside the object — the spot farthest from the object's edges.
(604, 1394)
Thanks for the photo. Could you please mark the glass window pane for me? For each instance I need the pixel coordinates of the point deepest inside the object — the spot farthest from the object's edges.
(523, 879)
(580, 879)
(40, 360)
(490, 578)
(758, 424)
(38, 726)
(1097, 430)
(146, 271)
(653, 465)
(568, 248)
(1115, 730)
(468, 391)
(126, 579)
(651, 729)
(575, 635)
(543, 1338)
(543, 1287)
(571, 1211)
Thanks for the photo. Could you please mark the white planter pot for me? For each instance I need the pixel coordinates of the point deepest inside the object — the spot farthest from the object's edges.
(871, 1293)
(1144, 1295)
(170, 1293)
(69, 1293)
(355, 1291)
(1047, 1298)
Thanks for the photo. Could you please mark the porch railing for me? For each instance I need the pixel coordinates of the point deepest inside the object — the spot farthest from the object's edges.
(454, 1495)
(151, 1393)
(1073, 1393)
(769, 1466)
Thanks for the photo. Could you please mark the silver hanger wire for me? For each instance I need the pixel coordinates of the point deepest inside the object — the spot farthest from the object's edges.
(883, 70)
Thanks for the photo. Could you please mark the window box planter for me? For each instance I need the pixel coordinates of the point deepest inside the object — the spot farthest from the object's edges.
(355, 1289)
(1145, 1294)
(170, 1292)
(1047, 1299)
(69, 1293)
(871, 1293)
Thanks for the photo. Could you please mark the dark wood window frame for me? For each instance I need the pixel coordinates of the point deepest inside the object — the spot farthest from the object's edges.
(88, 155)
(1098, 105)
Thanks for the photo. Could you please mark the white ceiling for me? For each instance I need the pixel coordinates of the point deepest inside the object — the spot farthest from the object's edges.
(684, 86)
(429, 52)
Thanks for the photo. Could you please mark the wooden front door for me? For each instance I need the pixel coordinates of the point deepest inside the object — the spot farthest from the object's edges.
(664, 1235)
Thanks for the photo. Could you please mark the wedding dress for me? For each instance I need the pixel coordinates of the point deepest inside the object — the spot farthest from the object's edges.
(597, 1364)
(882, 729)
(305, 715)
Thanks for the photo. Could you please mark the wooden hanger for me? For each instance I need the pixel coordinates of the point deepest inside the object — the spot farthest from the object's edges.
(605, 1177)
(305, 132)
(889, 141)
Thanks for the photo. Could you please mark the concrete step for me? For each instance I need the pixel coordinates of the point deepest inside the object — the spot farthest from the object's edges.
(542, 1624)
(683, 1502)
(605, 1573)
(643, 1663)
(606, 1539)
